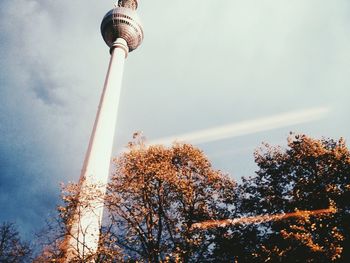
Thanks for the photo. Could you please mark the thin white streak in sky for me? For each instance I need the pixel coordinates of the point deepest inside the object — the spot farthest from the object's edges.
(247, 127)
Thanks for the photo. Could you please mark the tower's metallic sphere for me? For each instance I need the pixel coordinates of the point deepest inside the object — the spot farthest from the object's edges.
(124, 23)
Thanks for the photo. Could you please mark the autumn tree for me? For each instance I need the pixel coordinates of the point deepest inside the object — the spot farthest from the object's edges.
(310, 174)
(159, 197)
(156, 195)
(54, 236)
(12, 249)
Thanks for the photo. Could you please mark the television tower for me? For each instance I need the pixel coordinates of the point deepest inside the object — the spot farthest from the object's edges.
(122, 31)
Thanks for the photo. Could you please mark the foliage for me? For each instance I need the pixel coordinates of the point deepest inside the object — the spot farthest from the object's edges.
(309, 175)
(157, 194)
(55, 247)
(12, 249)
(159, 197)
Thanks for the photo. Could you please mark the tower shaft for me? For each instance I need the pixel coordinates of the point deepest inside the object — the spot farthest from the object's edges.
(86, 222)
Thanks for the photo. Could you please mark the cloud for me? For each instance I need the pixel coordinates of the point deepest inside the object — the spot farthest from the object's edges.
(247, 127)
(45, 122)
(202, 64)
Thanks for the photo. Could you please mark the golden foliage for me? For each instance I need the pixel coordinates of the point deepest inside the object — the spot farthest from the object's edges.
(156, 194)
(309, 174)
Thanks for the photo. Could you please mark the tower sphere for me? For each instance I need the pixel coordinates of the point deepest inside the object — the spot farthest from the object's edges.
(121, 22)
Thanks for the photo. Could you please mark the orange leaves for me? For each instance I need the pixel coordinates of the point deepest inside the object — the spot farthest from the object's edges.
(308, 174)
(156, 194)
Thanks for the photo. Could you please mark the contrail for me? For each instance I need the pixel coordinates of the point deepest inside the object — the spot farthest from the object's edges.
(260, 219)
(247, 127)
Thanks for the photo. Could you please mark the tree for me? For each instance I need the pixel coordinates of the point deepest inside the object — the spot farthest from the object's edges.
(309, 175)
(152, 202)
(155, 197)
(54, 237)
(12, 249)
(158, 197)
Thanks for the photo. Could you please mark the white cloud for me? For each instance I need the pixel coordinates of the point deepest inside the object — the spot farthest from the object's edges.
(247, 127)
(202, 64)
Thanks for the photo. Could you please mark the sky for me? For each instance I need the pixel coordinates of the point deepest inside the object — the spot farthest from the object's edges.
(225, 75)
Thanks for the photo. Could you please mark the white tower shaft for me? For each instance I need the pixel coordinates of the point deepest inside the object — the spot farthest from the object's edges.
(85, 225)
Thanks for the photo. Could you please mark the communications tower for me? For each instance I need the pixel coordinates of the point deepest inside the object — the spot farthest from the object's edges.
(122, 31)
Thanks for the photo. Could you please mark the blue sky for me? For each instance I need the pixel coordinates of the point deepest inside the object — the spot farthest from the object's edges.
(203, 64)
